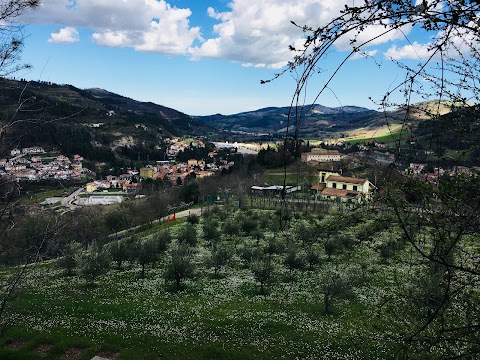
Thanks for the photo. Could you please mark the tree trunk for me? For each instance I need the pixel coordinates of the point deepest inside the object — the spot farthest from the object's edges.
(327, 301)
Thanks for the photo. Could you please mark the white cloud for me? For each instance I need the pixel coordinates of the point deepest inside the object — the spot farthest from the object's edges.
(259, 33)
(145, 25)
(411, 51)
(66, 35)
(378, 33)
(363, 54)
(254, 33)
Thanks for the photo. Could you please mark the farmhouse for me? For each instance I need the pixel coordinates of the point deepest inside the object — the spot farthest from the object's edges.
(333, 186)
(321, 156)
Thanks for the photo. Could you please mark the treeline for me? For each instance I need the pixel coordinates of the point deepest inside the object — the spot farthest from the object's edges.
(285, 154)
(197, 153)
(143, 153)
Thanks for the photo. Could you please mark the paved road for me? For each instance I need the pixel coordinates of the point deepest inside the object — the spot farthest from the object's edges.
(67, 201)
(178, 215)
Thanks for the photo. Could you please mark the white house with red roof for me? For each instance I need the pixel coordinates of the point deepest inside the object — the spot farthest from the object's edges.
(333, 186)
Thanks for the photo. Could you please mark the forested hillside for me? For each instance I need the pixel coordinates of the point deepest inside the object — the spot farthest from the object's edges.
(95, 123)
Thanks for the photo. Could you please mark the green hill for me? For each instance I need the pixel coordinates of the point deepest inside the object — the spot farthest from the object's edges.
(95, 123)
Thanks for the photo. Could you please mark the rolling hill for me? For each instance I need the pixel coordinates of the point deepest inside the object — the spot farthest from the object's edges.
(99, 125)
(316, 121)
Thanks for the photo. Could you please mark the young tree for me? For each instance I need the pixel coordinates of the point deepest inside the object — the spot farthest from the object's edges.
(118, 251)
(162, 238)
(307, 234)
(211, 232)
(331, 247)
(312, 258)
(93, 262)
(335, 284)
(147, 253)
(193, 219)
(68, 260)
(263, 271)
(293, 260)
(219, 257)
(188, 235)
(181, 266)
(231, 227)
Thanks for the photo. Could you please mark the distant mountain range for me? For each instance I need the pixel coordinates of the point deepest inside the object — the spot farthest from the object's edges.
(316, 121)
(104, 126)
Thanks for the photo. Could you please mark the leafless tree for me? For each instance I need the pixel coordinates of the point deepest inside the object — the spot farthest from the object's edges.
(11, 45)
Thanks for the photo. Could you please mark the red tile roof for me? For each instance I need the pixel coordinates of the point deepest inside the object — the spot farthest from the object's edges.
(340, 193)
(345, 179)
(318, 187)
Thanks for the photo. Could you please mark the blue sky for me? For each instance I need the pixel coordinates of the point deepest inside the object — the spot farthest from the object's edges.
(199, 57)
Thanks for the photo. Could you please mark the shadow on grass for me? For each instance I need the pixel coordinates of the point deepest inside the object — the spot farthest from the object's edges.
(89, 286)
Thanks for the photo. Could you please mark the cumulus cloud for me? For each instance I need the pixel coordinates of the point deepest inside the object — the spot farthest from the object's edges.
(379, 33)
(259, 33)
(145, 25)
(363, 54)
(254, 33)
(410, 51)
(66, 35)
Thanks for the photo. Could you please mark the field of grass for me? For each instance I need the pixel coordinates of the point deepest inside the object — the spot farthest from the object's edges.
(225, 316)
(293, 176)
(38, 197)
(391, 140)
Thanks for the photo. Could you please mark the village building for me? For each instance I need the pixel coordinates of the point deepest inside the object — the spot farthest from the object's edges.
(146, 173)
(321, 156)
(415, 168)
(131, 188)
(342, 188)
(125, 177)
(202, 173)
(91, 187)
(33, 150)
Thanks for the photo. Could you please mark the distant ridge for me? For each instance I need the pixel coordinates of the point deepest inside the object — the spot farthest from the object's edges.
(317, 120)
(95, 123)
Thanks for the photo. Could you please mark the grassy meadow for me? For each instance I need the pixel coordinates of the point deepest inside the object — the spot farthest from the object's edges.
(229, 315)
(390, 140)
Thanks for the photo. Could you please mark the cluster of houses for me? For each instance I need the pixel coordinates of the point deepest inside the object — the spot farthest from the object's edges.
(129, 183)
(173, 171)
(421, 171)
(123, 182)
(176, 145)
(33, 164)
(166, 170)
